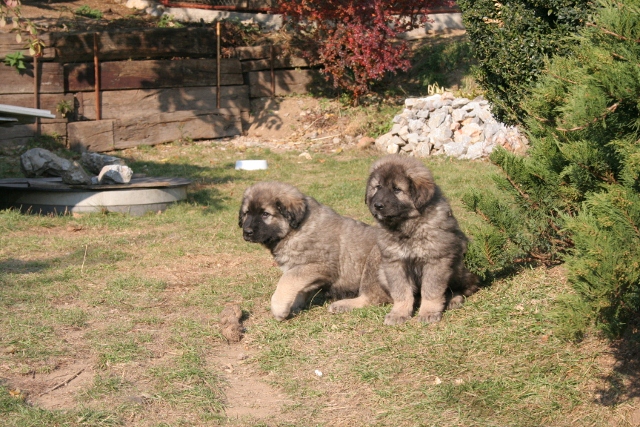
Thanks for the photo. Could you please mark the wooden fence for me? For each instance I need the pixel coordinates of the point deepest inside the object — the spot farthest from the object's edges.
(152, 86)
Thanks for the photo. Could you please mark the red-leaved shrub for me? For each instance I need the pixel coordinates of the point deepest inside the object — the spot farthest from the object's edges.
(355, 40)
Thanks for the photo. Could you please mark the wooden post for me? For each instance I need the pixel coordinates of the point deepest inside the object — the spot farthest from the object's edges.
(36, 90)
(218, 64)
(96, 67)
(273, 74)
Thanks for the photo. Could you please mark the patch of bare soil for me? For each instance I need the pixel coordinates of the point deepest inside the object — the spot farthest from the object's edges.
(57, 389)
(248, 396)
(55, 15)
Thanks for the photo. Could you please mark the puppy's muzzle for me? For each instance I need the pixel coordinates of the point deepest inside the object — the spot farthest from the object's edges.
(378, 206)
(247, 234)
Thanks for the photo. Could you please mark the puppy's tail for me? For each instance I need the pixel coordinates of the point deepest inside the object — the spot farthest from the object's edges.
(464, 283)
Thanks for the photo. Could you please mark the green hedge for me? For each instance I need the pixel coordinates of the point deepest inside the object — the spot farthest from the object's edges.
(511, 40)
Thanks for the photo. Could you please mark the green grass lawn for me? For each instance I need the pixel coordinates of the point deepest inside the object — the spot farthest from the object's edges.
(131, 304)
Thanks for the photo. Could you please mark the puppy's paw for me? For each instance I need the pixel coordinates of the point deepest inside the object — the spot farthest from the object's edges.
(340, 307)
(395, 319)
(429, 317)
(456, 302)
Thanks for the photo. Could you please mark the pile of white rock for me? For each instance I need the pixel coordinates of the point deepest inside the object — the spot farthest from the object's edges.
(442, 124)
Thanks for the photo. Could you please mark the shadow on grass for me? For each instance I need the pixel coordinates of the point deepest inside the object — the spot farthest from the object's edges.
(623, 382)
(17, 266)
(202, 190)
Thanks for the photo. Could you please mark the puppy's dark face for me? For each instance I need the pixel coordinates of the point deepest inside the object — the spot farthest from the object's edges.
(262, 223)
(398, 191)
(268, 213)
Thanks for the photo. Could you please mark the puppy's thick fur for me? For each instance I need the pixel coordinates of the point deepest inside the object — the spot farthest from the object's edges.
(423, 249)
(315, 248)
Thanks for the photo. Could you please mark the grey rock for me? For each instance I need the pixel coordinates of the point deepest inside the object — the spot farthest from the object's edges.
(94, 162)
(429, 105)
(419, 105)
(409, 147)
(115, 174)
(395, 129)
(490, 130)
(484, 115)
(455, 149)
(403, 132)
(397, 140)
(393, 149)
(472, 106)
(413, 138)
(382, 140)
(459, 102)
(458, 115)
(460, 138)
(441, 133)
(436, 119)
(40, 162)
(439, 144)
(474, 151)
(410, 102)
(423, 149)
(76, 175)
(415, 125)
(423, 113)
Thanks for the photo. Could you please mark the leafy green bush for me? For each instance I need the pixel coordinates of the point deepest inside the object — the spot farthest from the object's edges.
(442, 63)
(88, 12)
(511, 39)
(575, 198)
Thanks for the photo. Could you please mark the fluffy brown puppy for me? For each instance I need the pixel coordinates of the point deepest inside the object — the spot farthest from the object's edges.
(315, 248)
(423, 248)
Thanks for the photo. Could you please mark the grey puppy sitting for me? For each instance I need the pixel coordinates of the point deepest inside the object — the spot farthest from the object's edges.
(423, 248)
(315, 247)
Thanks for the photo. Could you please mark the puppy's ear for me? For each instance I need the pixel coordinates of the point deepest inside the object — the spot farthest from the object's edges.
(423, 188)
(367, 190)
(240, 214)
(293, 209)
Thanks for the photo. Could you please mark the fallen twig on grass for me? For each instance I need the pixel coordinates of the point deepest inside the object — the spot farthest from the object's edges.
(65, 382)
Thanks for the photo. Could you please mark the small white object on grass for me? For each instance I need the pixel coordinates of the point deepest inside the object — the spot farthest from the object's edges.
(251, 165)
(318, 372)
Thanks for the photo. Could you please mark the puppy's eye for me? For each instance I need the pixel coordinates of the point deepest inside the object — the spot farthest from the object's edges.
(397, 190)
(377, 187)
(266, 214)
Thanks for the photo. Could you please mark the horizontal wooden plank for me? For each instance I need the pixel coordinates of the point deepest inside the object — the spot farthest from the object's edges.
(9, 45)
(119, 75)
(278, 63)
(252, 52)
(48, 101)
(51, 76)
(146, 102)
(91, 135)
(249, 53)
(107, 135)
(136, 44)
(168, 127)
(287, 82)
(21, 134)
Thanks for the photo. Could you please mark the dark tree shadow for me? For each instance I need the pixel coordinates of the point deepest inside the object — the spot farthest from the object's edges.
(623, 383)
(17, 266)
